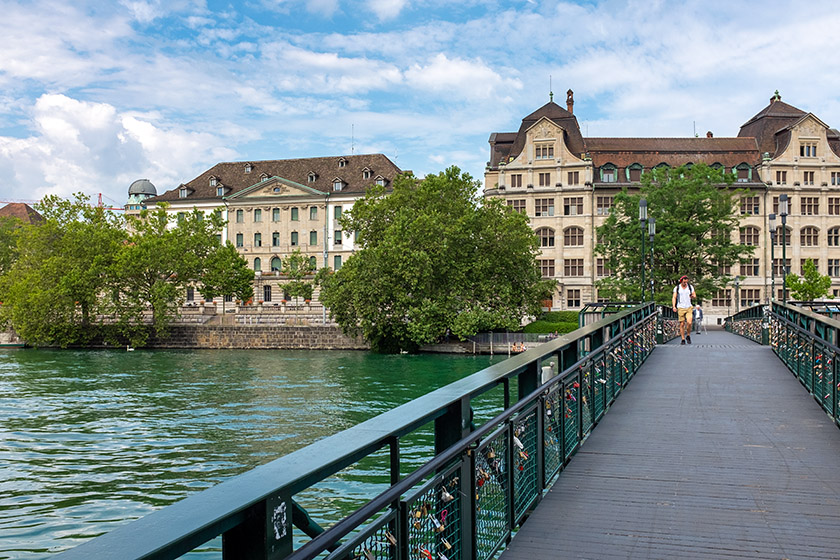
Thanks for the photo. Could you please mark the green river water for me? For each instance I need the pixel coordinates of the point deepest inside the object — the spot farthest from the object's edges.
(92, 439)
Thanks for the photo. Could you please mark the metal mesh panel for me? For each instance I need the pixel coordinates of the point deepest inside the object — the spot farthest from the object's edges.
(491, 495)
(570, 416)
(434, 520)
(599, 396)
(553, 436)
(587, 418)
(525, 488)
(377, 542)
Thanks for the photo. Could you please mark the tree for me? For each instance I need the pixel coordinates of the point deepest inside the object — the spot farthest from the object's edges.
(157, 263)
(226, 274)
(434, 257)
(52, 292)
(296, 268)
(810, 286)
(9, 232)
(695, 212)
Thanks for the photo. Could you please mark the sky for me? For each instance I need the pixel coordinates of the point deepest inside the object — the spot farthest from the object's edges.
(97, 94)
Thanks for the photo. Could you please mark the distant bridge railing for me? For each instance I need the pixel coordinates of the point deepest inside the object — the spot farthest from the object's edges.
(807, 342)
(749, 323)
(462, 504)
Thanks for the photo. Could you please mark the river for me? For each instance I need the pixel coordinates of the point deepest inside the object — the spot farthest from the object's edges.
(91, 439)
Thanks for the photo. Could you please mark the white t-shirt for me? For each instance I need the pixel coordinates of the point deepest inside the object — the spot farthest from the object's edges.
(683, 295)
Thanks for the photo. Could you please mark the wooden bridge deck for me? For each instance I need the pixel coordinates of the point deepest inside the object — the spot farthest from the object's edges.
(714, 451)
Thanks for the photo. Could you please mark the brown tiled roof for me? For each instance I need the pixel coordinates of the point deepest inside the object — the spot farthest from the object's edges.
(768, 123)
(650, 152)
(507, 144)
(22, 211)
(326, 169)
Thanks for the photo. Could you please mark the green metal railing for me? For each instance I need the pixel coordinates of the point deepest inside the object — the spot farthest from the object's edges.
(807, 343)
(462, 504)
(749, 323)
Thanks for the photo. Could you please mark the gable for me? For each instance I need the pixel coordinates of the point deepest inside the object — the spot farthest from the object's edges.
(274, 187)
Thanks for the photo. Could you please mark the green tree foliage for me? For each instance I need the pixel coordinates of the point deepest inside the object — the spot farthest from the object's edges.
(297, 267)
(434, 257)
(696, 212)
(810, 286)
(162, 256)
(52, 292)
(9, 231)
(226, 273)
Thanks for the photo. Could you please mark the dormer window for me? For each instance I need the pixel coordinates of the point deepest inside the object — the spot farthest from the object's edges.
(634, 173)
(342, 162)
(367, 173)
(312, 177)
(743, 172)
(264, 177)
(608, 173)
(220, 191)
(808, 149)
(338, 185)
(248, 168)
(380, 180)
(183, 192)
(213, 181)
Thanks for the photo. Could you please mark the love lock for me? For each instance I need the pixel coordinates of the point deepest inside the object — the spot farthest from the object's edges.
(446, 496)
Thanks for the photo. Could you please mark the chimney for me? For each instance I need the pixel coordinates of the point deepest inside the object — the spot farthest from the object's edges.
(570, 101)
(709, 134)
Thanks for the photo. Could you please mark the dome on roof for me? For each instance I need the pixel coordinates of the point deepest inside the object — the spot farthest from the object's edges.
(142, 186)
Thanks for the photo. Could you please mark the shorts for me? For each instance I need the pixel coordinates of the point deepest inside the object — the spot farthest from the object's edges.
(685, 313)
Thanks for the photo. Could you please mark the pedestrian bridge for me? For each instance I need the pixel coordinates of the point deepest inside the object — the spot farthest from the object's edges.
(725, 448)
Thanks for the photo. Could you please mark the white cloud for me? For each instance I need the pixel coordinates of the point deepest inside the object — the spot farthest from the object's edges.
(460, 78)
(387, 9)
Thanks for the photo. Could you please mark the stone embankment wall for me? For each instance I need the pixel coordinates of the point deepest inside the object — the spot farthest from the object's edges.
(296, 337)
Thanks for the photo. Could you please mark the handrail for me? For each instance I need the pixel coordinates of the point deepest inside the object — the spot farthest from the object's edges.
(250, 510)
(749, 323)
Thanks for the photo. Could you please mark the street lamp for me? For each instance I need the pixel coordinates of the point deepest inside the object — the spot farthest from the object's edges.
(651, 234)
(642, 220)
(783, 214)
(771, 220)
(737, 295)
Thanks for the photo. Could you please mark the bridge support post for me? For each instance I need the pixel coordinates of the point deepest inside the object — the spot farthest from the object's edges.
(266, 532)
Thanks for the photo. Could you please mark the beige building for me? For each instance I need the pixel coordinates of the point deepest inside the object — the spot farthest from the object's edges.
(565, 183)
(276, 207)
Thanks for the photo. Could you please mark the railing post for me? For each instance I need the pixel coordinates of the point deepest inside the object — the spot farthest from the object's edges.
(266, 532)
(449, 429)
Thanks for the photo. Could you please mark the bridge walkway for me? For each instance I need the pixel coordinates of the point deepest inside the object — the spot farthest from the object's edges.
(714, 450)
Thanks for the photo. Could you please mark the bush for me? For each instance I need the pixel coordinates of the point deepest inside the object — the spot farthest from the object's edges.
(546, 327)
(560, 316)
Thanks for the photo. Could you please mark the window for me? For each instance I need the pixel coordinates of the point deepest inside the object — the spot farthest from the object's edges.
(834, 237)
(547, 268)
(601, 268)
(337, 212)
(724, 270)
(267, 292)
(833, 206)
(295, 214)
(313, 237)
(574, 177)
(788, 234)
(516, 180)
(240, 216)
(835, 178)
(257, 215)
(749, 205)
(573, 237)
(518, 205)
(294, 239)
(213, 181)
(749, 268)
(809, 236)
(777, 266)
(336, 262)
(544, 207)
(808, 149)
(257, 264)
(743, 173)
(546, 236)
(781, 177)
(380, 181)
(248, 168)
(342, 162)
(572, 267)
(367, 174)
(181, 217)
(573, 298)
(257, 240)
(545, 179)
(634, 173)
(802, 265)
(313, 263)
(190, 293)
(776, 204)
(608, 173)
(750, 297)
(275, 239)
(834, 268)
(239, 240)
(338, 184)
(263, 177)
(544, 151)
(275, 214)
(276, 264)
(337, 237)
(311, 178)
(183, 192)
(749, 236)
(603, 205)
(807, 177)
(313, 212)
(573, 206)
(220, 191)
(722, 298)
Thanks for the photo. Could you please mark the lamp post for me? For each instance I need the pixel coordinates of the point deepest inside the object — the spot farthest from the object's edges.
(771, 220)
(737, 295)
(783, 214)
(651, 234)
(642, 220)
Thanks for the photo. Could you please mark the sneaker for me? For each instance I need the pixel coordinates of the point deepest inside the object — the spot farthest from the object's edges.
(688, 339)
(682, 343)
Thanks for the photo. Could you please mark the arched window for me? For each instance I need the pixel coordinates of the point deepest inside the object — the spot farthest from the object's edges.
(834, 237)
(634, 172)
(257, 264)
(609, 173)
(546, 236)
(743, 172)
(276, 264)
(573, 237)
(809, 236)
(788, 235)
(313, 262)
(749, 236)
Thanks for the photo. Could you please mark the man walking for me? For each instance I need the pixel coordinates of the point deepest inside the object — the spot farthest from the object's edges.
(681, 302)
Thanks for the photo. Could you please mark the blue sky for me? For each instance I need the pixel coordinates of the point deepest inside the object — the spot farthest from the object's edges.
(94, 95)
